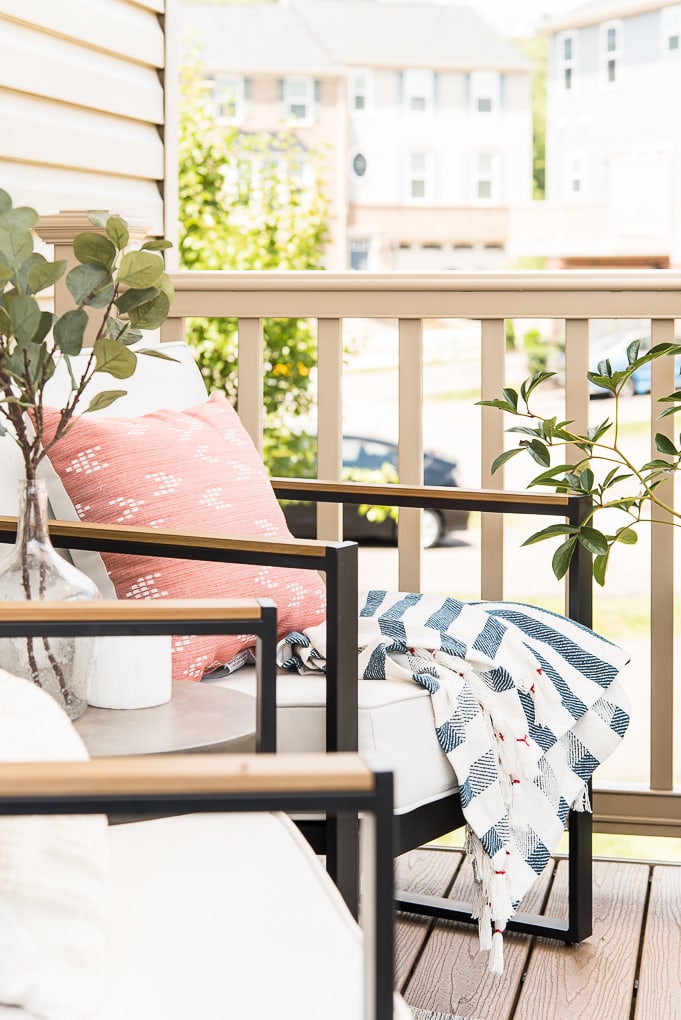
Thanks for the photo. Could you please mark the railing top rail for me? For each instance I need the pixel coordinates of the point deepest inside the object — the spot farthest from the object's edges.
(651, 280)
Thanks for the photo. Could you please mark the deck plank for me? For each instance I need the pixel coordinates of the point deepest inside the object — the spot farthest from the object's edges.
(659, 987)
(429, 872)
(452, 976)
(595, 978)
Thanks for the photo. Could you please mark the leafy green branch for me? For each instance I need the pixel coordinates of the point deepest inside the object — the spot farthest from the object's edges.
(130, 287)
(601, 470)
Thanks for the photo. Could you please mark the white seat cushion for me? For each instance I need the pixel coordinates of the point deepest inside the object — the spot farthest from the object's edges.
(227, 916)
(395, 719)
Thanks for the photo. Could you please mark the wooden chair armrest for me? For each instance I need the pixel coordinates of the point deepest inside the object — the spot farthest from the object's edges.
(158, 775)
(432, 496)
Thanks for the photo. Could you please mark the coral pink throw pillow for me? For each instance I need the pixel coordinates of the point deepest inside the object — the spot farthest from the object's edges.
(186, 470)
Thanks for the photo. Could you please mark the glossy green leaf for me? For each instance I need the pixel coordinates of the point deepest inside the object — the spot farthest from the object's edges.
(551, 532)
(539, 453)
(115, 358)
(627, 536)
(69, 330)
(562, 556)
(140, 269)
(600, 566)
(94, 248)
(663, 444)
(511, 396)
(593, 541)
(502, 405)
(90, 285)
(502, 458)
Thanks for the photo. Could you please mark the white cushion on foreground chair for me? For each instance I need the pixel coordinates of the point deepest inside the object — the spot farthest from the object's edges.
(388, 710)
(227, 916)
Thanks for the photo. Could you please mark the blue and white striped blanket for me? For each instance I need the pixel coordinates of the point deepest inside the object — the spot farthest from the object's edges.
(526, 704)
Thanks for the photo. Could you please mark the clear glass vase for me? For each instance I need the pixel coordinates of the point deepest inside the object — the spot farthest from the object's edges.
(34, 570)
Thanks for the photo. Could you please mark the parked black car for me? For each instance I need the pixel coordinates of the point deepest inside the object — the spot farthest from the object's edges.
(361, 453)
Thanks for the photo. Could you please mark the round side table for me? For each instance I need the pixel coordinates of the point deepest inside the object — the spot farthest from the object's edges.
(198, 717)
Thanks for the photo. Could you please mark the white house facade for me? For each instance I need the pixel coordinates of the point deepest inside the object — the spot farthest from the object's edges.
(613, 143)
(423, 110)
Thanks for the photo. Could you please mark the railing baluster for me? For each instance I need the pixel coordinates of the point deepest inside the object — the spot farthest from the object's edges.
(493, 356)
(662, 585)
(410, 464)
(250, 392)
(329, 421)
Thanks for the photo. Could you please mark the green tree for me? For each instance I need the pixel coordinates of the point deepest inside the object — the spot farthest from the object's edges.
(252, 201)
(537, 48)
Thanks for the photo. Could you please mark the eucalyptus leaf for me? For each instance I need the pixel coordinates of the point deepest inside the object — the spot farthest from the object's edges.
(94, 248)
(154, 352)
(152, 314)
(5, 274)
(20, 218)
(91, 285)
(98, 217)
(5, 202)
(25, 314)
(69, 330)
(104, 399)
(117, 229)
(45, 274)
(44, 327)
(16, 246)
(156, 245)
(140, 269)
(132, 298)
(115, 358)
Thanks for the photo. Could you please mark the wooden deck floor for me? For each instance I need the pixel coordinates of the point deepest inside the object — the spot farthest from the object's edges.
(630, 968)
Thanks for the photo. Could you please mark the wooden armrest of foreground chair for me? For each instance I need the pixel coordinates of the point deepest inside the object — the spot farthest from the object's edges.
(226, 912)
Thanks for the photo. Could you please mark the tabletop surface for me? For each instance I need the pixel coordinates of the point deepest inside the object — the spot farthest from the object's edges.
(198, 717)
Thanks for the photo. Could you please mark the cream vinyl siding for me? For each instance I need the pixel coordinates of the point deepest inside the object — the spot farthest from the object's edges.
(82, 105)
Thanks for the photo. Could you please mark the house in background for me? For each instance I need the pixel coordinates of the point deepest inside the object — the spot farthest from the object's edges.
(423, 111)
(613, 140)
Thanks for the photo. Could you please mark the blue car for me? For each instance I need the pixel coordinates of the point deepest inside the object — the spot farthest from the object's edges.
(613, 348)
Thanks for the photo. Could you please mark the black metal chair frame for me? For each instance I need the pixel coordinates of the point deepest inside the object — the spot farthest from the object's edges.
(338, 560)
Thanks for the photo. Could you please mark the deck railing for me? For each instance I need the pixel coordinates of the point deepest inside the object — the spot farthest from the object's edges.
(574, 297)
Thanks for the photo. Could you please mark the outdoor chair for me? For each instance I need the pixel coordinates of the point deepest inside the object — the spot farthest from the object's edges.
(335, 712)
(211, 903)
